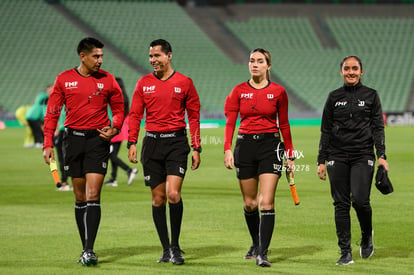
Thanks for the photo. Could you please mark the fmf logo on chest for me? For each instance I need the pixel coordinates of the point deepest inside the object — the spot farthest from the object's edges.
(70, 85)
(100, 86)
(270, 96)
(177, 90)
(246, 96)
(340, 103)
(148, 89)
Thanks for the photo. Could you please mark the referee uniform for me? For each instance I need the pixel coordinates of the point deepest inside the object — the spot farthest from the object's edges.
(165, 103)
(165, 96)
(264, 116)
(85, 92)
(352, 123)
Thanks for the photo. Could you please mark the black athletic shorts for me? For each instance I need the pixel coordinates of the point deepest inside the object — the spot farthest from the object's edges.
(257, 154)
(164, 154)
(85, 152)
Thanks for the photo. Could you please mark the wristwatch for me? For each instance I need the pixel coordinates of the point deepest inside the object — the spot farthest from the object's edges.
(198, 149)
(130, 143)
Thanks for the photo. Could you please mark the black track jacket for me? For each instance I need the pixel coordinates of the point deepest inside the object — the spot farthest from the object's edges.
(352, 123)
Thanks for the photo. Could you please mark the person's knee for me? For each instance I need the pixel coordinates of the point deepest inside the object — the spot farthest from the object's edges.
(174, 196)
(341, 205)
(80, 197)
(266, 206)
(159, 199)
(92, 194)
(250, 204)
(361, 204)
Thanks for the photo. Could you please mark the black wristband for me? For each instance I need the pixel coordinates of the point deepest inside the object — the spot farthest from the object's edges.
(130, 143)
(383, 156)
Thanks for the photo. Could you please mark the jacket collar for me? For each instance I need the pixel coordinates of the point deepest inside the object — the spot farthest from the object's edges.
(353, 88)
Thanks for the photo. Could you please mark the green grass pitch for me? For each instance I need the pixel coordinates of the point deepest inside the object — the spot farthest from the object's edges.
(38, 234)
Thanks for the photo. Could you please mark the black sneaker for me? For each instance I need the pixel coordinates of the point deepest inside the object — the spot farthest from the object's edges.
(366, 249)
(165, 258)
(175, 255)
(89, 258)
(261, 260)
(346, 259)
(252, 253)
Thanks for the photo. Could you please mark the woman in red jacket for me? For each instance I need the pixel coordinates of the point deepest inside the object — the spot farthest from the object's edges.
(263, 108)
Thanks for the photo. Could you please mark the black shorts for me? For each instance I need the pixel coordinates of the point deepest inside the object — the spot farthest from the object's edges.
(164, 154)
(257, 154)
(85, 152)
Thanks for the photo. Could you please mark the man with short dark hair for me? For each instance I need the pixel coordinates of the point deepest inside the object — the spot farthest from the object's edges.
(165, 95)
(85, 91)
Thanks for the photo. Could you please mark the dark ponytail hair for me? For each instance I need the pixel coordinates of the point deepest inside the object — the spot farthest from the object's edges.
(348, 57)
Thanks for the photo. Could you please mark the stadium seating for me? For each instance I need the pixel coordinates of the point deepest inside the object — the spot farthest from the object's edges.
(37, 44)
(385, 46)
(131, 26)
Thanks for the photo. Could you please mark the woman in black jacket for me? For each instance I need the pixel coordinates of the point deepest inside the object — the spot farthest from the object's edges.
(352, 124)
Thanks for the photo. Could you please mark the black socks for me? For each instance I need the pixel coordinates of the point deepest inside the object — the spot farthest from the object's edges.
(253, 223)
(160, 221)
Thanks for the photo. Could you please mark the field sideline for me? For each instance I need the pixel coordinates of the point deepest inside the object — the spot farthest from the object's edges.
(39, 235)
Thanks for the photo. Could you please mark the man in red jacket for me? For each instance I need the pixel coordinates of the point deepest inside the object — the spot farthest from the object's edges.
(165, 95)
(85, 91)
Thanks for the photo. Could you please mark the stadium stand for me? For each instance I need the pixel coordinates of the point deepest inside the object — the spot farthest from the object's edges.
(39, 41)
(131, 26)
(37, 44)
(385, 46)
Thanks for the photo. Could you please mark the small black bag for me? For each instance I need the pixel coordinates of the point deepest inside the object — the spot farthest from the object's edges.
(382, 181)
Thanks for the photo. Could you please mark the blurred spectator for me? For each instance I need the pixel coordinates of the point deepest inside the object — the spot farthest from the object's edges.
(35, 115)
(21, 118)
(116, 145)
(58, 142)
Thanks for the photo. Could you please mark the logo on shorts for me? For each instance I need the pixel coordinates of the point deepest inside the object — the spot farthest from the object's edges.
(181, 170)
(104, 165)
(147, 179)
(370, 162)
(330, 163)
